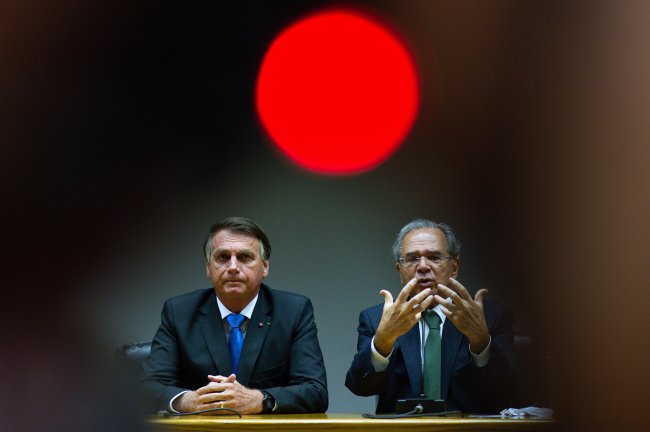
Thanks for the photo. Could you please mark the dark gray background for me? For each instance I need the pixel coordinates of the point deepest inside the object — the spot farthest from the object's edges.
(128, 128)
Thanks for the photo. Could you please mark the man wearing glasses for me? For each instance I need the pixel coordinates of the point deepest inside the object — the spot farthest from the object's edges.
(434, 340)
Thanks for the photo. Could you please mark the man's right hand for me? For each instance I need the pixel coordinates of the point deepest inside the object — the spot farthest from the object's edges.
(400, 315)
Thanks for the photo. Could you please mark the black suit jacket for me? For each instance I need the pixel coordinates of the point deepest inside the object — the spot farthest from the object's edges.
(280, 354)
(465, 387)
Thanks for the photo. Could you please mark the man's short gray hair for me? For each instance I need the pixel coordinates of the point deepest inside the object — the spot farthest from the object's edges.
(453, 245)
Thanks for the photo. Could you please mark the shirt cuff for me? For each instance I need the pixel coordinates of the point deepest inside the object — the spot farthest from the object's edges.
(171, 402)
(379, 362)
(481, 359)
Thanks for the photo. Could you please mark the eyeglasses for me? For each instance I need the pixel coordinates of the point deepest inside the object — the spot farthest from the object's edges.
(412, 260)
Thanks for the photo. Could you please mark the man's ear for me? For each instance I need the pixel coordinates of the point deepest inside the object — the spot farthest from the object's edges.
(455, 263)
(266, 264)
(207, 270)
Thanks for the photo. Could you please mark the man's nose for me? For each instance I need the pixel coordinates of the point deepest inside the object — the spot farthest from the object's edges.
(233, 264)
(423, 264)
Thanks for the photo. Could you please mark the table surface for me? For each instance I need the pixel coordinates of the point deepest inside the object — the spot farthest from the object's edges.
(344, 422)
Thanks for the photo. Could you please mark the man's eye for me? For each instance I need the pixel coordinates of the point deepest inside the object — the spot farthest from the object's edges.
(411, 260)
(246, 259)
(222, 258)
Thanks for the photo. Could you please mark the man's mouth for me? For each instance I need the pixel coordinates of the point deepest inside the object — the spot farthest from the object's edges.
(426, 283)
(233, 281)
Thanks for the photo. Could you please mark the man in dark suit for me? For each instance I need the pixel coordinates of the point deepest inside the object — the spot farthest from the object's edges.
(475, 341)
(198, 360)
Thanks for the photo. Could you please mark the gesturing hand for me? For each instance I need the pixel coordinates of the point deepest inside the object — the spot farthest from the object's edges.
(400, 315)
(466, 313)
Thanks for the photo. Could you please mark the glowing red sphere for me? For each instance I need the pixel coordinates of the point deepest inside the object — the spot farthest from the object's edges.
(337, 92)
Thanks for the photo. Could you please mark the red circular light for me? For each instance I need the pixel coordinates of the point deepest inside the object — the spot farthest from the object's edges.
(337, 92)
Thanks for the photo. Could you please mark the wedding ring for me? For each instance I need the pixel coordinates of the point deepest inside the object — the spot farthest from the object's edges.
(221, 404)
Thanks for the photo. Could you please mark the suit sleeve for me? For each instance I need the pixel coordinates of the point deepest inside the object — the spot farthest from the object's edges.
(159, 380)
(361, 378)
(306, 389)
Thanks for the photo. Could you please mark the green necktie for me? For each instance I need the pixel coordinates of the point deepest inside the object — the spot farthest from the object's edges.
(432, 350)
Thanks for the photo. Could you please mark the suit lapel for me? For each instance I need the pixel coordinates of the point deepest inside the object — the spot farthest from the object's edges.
(215, 336)
(410, 344)
(451, 343)
(255, 336)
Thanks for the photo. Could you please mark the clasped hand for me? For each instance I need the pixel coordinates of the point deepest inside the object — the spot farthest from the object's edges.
(222, 392)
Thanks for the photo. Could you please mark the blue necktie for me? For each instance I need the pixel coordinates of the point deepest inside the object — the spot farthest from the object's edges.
(235, 340)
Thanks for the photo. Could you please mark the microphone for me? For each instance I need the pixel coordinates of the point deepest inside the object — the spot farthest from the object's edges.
(420, 407)
(428, 406)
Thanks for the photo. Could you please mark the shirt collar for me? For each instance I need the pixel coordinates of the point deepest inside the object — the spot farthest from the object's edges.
(247, 311)
(438, 310)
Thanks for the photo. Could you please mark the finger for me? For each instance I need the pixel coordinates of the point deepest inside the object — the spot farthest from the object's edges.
(450, 293)
(213, 387)
(222, 392)
(478, 298)
(446, 311)
(460, 289)
(211, 404)
(406, 290)
(423, 304)
(388, 297)
(415, 301)
(217, 378)
(231, 378)
(427, 302)
(441, 301)
(226, 395)
(208, 398)
(205, 389)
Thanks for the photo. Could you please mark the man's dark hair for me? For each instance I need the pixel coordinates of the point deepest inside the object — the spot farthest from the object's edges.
(239, 225)
(453, 245)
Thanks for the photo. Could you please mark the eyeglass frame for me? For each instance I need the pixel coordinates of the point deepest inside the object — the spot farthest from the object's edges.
(416, 259)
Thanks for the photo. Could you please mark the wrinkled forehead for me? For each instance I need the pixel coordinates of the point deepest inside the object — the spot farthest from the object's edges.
(424, 240)
(235, 241)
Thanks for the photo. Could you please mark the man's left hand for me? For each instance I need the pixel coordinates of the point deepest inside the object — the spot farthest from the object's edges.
(466, 313)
